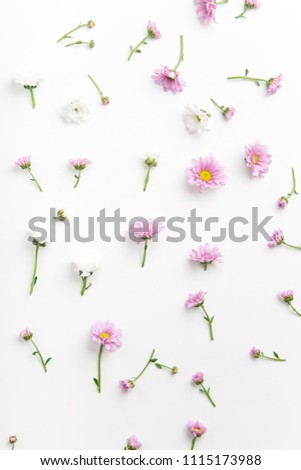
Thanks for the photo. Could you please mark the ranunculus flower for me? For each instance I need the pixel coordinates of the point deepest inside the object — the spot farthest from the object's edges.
(283, 200)
(79, 164)
(196, 119)
(25, 164)
(257, 353)
(144, 232)
(288, 297)
(227, 111)
(272, 84)
(133, 443)
(197, 430)
(35, 239)
(105, 334)
(85, 267)
(29, 80)
(197, 301)
(277, 238)
(198, 379)
(169, 78)
(152, 33)
(249, 5)
(206, 254)
(27, 335)
(258, 158)
(206, 173)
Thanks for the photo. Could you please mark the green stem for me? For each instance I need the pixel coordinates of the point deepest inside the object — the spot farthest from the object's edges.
(145, 367)
(242, 14)
(294, 310)
(222, 2)
(273, 358)
(208, 395)
(193, 443)
(292, 246)
(181, 56)
(164, 366)
(96, 86)
(35, 180)
(77, 42)
(39, 354)
(99, 368)
(146, 178)
(294, 190)
(138, 45)
(66, 36)
(33, 101)
(77, 178)
(209, 320)
(13, 446)
(245, 77)
(218, 106)
(84, 287)
(34, 274)
(144, 253)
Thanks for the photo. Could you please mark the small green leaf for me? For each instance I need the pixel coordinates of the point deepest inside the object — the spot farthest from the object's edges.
(257, 83)
(34, 353)
(95, 381)
(158, 366)
(153, 360)
(35, 280)
(48, 360)
(205, 318)
(208, 390)
(75, 176)
(276, 355)
(144, 42)
(202, 391)
(138, 50)
(246, 72)
(211, 319)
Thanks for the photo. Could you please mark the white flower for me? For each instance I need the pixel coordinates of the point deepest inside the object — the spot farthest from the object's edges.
(85, 267)
(76, 112)
(28, 79)
(36, 236)
(195, 119)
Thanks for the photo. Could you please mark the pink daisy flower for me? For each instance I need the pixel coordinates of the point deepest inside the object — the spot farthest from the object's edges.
(286, 296)
(206, 173)
(26, 334)
(169, 79)
(24, 162)
(258, 158)
(274, 84)
(195, 300)
(253, 4)
(206, 254)
(282, 202)
(107, 335)
(205, 10)
(255, 353)
(126, 385)
(277, 238)
(80, 163)
(198, 378)
(229, 113)
(133, 443)
(196, 428)
(153, 30)
(140, 231)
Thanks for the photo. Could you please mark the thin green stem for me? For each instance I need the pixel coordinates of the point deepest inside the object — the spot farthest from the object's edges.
(144, 253)
(164, 366)
(96, 86)
(13, 446)
(242, 14)
(146, 178)
(34, 274)
(145, 367)
(84, 287)
(33, 101)
(181, 56)
(77, 42)
(99, 368)
(133, 51)
(222, 2)
(35, 180)
(294, 310)
(193, 443)
(77, 177)
(292, 246)
(217, 105)
(204, 390)
(209, 320)
(273, 358)
(245, 77)
(66, 36)
(39, 354)
(294, 190)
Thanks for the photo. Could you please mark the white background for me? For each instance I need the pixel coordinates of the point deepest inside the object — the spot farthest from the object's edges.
(257, 401)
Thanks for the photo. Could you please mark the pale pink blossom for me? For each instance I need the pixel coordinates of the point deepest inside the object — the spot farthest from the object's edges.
(255, 353)
(274, 84)
(196, 428)
(277, 238)
(198, 378)
(169, 79)
(286, 296)
(229, 113)
(24, 162)
(26, 334)
(153, 30)
(206, 254)
(133, 443)
(80, 163)
(205, 10)
(195, 300)
(253, 4)
(126, 385)
(206, 172)
(140, 231)
(258, 158)
(106, 334)
(282, 202)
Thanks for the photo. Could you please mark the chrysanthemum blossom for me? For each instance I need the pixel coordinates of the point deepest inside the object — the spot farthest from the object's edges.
(205, 10)
(106, 334)
(286, 296)
(206, 254)
(206, 172)
(80, 163)
(258, 158)
(253, 4)
(24, 162)
(86, 266)
(29, 79)
(255, 353)
(195, 300)
(196, 428)
(76, 112)
(274, 84)
(229, 113)
(133, 443)
(140, 231)
(198, 378)
(153, 30)
(195, 119)
(126, 385)
(169, 79)
(282, 202)
(277, 238)
(26, 334)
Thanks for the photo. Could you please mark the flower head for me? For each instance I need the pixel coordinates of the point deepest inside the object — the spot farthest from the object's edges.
(140, 231)
(282, 202)
(126, 385)
(229, 113)
(151, 159)
(169, 79)
(26, 334)
(198, 378)
(195, 119)
(205, 10)
(105, 100)
(105, 333)
(196, 428)
(133, 443)
(253, 4)
(277, 238)
(12, 439)
(24, 162)
(256, 353)
(153, 30)
(258, 158)
(28, 79)
(287, 296)
(80, 163)
(91, 24)
(37, 239)
(206, 254)
(206, 173)
(195, 300)
(174, 370)
(274, 84)
(85, 267)
(61, 215)
(76, 112)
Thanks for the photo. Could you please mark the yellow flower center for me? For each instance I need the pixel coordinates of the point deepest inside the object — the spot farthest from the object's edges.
(205, 175)
(197, 429)
(104, 335)
(255, 158)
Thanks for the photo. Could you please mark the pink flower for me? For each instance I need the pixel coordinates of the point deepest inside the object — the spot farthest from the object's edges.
(258, 158)
(277, 238)
(229, 113)
(140, 231)
(105, 333)
(196, 428)
(126, 385)
(26, 334)
(133, 443)
(153, 30)
(24, 162)
(274, 84)
(80, 163)
(253, 4)
(206, 173)
(255, 353)
(282, 202)
(206, 254)
(286, 296)
(206, 10)
(198, 378)
(169, 79)
(195, 300)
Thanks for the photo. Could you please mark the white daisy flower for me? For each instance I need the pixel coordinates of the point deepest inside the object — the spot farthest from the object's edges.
(195, 119)
(29, 80)
(76, 112)
(85, 267)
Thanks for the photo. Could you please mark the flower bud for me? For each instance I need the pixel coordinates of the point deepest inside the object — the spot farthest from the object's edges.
(12, 439)
(105, 100)
(91, 44)
(174, 370)
(91, 24)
